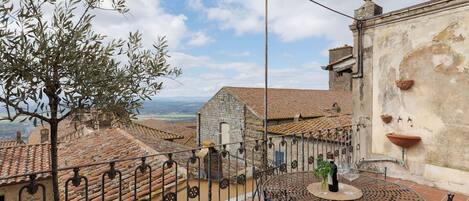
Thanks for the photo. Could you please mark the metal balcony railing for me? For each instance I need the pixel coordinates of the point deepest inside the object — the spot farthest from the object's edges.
(232, 171)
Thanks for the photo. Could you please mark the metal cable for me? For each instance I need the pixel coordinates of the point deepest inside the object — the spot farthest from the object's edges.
(333, 10)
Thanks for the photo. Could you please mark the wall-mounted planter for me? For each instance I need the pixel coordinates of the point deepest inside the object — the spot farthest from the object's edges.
(404, 141)
(405, 84)
(386, 118)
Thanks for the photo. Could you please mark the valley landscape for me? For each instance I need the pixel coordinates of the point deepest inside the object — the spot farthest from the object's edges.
(173, 109)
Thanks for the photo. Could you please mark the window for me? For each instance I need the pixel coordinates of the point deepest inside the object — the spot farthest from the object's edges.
(279, 157)
(225, 133)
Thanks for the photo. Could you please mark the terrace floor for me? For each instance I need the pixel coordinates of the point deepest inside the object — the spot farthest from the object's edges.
(427, 192)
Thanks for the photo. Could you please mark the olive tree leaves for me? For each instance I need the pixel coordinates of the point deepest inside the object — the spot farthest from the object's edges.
(58, 64)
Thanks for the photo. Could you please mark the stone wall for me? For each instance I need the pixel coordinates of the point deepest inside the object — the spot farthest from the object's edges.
(222, 108)
(427, 44)
(225, 108)
(305, 148)
(340, 80)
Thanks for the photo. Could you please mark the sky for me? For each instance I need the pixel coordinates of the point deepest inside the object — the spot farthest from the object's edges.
(221, 42)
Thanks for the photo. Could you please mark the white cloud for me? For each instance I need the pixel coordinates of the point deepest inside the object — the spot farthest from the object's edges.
(292, 19)
(199, 39)
(187, 61)
(195, 4)
(236, 54)
(217, 74)
(149, 17)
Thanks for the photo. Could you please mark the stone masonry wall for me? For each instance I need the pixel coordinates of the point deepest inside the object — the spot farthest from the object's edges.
(342, 80)
(222, 108)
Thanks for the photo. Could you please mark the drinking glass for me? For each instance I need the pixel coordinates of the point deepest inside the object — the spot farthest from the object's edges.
(352, 175)
(343, 169)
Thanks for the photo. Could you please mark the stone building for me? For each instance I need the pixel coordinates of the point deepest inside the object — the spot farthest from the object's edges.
(425, 45)
(237, 113)
(341, 61)
(317, 132)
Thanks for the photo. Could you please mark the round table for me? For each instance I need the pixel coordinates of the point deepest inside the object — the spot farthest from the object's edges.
(294, 185)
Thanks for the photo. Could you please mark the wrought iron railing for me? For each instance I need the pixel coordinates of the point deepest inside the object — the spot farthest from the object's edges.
(206, 173)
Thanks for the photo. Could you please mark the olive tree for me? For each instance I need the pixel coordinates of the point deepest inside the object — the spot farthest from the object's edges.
(52, 64)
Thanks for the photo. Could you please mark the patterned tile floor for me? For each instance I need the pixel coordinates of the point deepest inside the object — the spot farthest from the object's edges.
(427, 192)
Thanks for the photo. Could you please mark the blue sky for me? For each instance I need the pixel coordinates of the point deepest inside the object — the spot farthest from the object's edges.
(220, 42)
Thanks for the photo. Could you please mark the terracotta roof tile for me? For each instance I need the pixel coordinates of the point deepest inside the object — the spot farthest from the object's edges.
(23, 159)
(186, 129)
(341, 47)
(287, 103)
(10, 143)
(138, 129)
(112, 144)
(330, 65)
(182, 157)
(96, 147)
(311, 127)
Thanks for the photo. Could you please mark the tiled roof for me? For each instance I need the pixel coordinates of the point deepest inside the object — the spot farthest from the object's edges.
(96, 147)
(65, 127)
(112, 144)
(155, 143)
(186, 129)
(342, 47)
(348, 65)
(287, 103)
(138, 129)
(10, 143)
(23, 159)
(183, 156)
(311, 126)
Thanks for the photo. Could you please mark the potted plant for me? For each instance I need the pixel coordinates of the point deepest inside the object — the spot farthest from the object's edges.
(322, 171)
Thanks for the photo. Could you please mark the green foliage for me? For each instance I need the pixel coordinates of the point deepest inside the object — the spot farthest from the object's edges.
(52, 65)
(323, 169)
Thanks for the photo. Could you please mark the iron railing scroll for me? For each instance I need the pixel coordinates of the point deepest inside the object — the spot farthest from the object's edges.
(228, 171)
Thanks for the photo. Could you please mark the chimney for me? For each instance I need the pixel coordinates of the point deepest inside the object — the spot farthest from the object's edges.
(368, 9)
(339, 53)
(44, 135)
(340, 81)
(19, 139)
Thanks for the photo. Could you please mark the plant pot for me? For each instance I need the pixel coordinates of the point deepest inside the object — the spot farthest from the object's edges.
(405, 84)
(404, 141)
(386, 118)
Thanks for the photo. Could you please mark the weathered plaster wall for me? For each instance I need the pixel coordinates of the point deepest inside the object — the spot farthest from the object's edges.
(433, 50)
(11, 192)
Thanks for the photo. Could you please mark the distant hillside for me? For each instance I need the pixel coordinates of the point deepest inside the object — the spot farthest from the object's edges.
(172, 106)
(164, 108)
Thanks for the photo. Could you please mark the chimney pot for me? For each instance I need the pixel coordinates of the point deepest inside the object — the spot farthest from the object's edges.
(19, 139)
(44, 135)
(368, 9)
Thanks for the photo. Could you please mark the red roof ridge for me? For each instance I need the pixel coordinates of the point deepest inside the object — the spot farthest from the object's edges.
(275, 88)
(286, 103)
